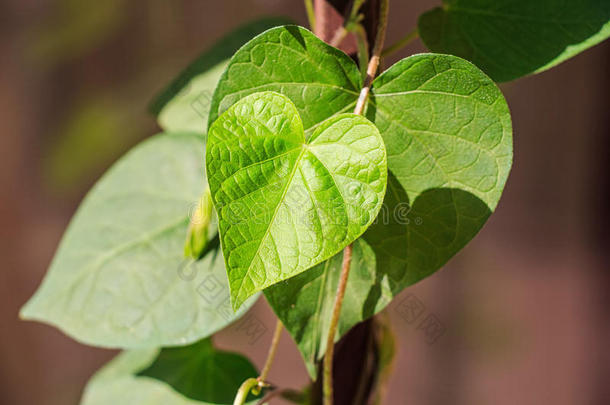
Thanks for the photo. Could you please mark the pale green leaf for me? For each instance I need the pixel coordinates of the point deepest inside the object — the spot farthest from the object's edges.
(304, 302)
(119, 382)
(285, 203)
(513, 38)
(446, 128)
(189, 109)
(119, 278)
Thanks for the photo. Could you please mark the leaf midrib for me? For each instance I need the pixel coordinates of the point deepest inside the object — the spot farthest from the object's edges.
(275, 211)
(103, 259)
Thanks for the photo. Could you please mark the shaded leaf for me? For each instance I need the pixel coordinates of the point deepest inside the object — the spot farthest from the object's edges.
(118, 382)
(513, 38)
(304, 302)
(201, 372)
(385, 347)
(448, 133)
(286, 204)
(119, 278)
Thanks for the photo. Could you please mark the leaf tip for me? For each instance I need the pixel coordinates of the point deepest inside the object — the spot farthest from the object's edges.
(28, 311)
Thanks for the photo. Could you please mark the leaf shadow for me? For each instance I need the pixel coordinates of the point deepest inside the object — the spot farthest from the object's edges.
(412, 241)
(475, 38)
(200, 372)
(406, 243)
(294, 30)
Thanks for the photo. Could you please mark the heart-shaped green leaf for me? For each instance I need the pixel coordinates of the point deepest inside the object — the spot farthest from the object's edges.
(119, 278)
(512, 38)
(285, 203)
(197, 374)
(304, 302)
(447, 131)
(449, 137)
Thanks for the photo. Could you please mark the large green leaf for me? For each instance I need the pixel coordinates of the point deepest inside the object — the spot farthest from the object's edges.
(447, 132)
(512, 38)
(124, 380)
(285, 203)
(185, 103)
(304, 302)
(319, 79)
(201, 372)
(119, 278)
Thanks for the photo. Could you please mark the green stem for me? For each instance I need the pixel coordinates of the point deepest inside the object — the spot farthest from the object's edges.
(311, 15)
(255, 385)
(404, 41)
(270, 356)
(374, 62)
(363, 50)
(355, 8)
(371, 70)
(350, 24)
(338, 37)
(244, 390)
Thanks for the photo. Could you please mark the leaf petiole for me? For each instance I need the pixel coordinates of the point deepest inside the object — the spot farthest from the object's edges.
(270, 357)
(332, 330)
(244, 390)
(401, 43)
(255, 385)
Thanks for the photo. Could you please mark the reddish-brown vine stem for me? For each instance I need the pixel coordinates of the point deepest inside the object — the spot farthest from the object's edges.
(371, 70)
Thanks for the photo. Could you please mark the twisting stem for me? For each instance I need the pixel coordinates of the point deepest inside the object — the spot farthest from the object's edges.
(371, 70)
(244, 390)
(332, 330)
(338, 36)
(311, 15)
(257, 384)
(350, 24)
(404, 41)
(271, 355)
(363, 49)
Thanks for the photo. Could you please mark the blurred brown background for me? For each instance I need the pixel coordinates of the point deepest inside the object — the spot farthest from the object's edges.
(524, 307)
